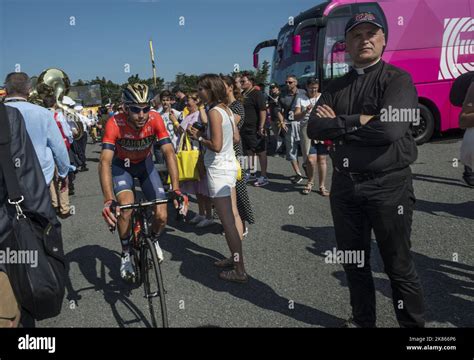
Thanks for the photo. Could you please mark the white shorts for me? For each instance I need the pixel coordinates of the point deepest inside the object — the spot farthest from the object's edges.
(220, 182)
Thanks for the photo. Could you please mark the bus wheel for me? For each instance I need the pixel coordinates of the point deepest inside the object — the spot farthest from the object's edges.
(423, 131)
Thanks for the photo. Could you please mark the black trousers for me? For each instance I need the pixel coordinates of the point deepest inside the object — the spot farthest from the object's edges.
(468, 176)
(75, 151)
(385, 205)
(82, 143)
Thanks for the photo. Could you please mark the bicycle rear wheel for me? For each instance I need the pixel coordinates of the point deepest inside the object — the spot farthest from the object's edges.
(153, 282)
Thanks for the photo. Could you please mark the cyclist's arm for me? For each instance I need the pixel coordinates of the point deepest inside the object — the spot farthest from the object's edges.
(171, 164)
(105, 174)
(106, 157)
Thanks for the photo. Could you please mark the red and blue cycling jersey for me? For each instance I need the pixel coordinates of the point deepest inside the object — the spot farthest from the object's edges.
(131, 144)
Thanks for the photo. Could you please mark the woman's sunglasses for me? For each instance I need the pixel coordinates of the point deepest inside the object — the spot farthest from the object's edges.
(138, 109)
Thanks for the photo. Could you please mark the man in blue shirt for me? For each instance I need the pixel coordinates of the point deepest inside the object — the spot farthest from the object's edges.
(41, 127)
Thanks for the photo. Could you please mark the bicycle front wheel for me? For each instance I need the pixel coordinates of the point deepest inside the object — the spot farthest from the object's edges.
(153, 282)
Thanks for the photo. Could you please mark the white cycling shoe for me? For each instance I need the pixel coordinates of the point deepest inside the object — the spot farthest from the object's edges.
(126, 268)
(159, 252)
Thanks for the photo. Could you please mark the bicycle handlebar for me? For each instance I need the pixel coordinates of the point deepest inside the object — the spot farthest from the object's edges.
(141, 205)
(144, 204)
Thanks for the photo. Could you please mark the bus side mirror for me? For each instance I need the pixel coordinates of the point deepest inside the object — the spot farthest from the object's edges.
(297, 44)
(255, 60)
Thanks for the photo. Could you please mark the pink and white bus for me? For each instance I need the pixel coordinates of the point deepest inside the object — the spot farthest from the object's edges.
(431, 39)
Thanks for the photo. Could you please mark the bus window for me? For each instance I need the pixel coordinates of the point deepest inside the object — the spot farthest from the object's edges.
(333, 47)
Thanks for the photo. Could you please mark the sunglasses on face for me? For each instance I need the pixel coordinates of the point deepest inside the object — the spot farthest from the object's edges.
(289, 82)
(138, 109)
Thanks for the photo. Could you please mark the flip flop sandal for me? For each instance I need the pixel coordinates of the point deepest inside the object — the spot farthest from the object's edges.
(233, 277)
(307, 190)
(225, 263)
(323, 191)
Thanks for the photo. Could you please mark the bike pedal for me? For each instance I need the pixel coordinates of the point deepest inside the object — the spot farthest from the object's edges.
(153, 295)
(130, 279)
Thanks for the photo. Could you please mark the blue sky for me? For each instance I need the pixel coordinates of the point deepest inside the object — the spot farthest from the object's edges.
(108, 34)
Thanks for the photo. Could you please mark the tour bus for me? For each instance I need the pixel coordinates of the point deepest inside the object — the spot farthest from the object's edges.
(430, 39)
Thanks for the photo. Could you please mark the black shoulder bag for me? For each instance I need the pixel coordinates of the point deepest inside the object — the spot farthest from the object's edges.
(39, 290)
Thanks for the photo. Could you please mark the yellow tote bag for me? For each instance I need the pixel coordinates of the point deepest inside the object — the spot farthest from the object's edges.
(187, 161)
(239, 170)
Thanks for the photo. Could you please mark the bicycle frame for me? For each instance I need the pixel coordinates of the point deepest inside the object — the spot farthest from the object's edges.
(141, 243)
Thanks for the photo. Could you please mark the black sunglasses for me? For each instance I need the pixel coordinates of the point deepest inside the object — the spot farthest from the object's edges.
(138, 109)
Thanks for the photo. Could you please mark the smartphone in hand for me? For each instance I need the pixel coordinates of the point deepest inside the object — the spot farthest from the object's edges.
(198, 126)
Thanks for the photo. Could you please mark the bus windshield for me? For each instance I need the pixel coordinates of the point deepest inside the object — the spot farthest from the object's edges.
(286, 63)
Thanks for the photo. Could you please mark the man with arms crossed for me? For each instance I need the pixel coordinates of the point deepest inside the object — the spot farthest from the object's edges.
(372, 183)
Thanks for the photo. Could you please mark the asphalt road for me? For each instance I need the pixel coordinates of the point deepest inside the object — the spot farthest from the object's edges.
(290, 285)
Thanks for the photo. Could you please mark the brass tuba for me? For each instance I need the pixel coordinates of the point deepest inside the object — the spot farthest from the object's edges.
(55, 82)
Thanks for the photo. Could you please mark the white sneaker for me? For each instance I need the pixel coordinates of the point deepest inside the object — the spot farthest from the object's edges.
(159, 252)
(205, 223)
(261, 181)
(126, 268)
(249, 177)
(197, 219)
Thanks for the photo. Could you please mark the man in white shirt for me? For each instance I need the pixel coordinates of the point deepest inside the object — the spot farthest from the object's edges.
(314, 152)
(170, 116)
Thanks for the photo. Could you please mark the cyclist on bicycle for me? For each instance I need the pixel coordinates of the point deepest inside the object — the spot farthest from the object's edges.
(127, 154)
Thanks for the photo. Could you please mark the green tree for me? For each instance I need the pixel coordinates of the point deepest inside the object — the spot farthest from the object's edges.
(262, 73)
(186, 82)
(109, 90)
(79, 83)
(136, 79)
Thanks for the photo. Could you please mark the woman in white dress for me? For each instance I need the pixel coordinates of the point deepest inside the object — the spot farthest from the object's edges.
(221, 168)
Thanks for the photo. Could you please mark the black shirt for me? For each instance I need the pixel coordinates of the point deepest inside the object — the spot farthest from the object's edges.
(274, 107)
(459, 89)
(254, 103)
(287, 103)
(380, 145)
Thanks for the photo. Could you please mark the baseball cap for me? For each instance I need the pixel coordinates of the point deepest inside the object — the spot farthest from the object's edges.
(273, 85)
(364, 17)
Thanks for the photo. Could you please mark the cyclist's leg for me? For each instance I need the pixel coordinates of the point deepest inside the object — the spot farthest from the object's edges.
(123, 188)
(153, 189)
(124, 221)
(123, 185)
